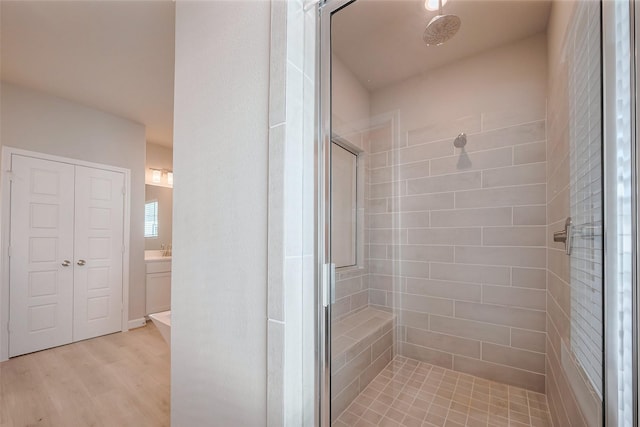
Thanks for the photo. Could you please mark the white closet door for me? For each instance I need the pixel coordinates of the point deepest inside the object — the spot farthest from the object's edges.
(41, 236)
(99, 215)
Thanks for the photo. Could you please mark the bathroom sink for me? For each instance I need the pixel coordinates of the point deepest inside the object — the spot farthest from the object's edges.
(155, 255)
(157, 258)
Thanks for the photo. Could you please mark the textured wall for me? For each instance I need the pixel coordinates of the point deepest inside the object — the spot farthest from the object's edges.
(219, 295)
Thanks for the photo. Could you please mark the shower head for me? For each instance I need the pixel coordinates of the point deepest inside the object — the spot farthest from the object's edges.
(460, 141)
(441, 28)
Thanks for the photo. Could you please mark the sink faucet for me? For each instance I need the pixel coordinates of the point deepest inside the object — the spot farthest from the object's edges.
(166, 249)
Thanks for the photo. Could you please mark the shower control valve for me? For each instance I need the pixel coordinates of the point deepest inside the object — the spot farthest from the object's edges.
(565, 236)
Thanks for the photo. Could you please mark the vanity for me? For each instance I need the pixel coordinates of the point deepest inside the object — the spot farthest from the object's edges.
(157, 254)
(158, 278)
(158, 221)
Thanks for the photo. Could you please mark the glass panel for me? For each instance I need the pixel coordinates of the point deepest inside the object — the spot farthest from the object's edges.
(619, 260)
(480, 134)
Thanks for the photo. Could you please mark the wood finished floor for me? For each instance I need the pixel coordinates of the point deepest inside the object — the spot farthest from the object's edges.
(121, 379)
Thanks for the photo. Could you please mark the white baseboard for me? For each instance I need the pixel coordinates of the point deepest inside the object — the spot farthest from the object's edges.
(137, 323)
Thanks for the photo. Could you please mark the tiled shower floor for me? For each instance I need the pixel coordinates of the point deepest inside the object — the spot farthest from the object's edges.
(411, 393)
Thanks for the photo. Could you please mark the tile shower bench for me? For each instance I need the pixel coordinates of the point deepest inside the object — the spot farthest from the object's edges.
(361, 347)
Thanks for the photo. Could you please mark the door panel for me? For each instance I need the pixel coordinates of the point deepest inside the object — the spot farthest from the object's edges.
(99, 212)
(41, 236)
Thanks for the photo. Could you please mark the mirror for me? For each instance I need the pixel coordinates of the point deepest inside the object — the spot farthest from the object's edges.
(158, 217)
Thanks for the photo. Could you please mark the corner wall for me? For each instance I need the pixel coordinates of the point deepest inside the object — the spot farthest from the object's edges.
(291, 333)
(219, 294)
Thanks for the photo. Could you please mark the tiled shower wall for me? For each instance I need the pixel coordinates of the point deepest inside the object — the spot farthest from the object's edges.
(350, 122)
(572, 399)
(458, 236)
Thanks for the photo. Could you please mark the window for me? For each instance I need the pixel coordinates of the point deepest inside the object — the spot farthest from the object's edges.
(151, 219)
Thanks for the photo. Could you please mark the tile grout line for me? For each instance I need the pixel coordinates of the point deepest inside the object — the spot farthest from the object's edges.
(395, 375)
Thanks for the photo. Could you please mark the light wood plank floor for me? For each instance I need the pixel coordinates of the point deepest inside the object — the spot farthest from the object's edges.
(116, 380)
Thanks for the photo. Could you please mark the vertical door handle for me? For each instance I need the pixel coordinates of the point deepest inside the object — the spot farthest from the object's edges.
(66, 263)
(81, 262)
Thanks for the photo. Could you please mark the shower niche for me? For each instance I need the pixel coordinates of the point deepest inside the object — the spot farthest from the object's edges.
(347, 205)
(452, 163)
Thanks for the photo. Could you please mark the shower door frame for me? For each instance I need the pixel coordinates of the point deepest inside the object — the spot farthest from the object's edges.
(611, 398)
(325, 275)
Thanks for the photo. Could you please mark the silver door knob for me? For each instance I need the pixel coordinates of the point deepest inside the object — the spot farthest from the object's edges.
(81, 262)
(66, 263)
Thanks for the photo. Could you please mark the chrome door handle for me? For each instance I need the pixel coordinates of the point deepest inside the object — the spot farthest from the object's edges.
(565, 236)
(66, 263)
(81, 262)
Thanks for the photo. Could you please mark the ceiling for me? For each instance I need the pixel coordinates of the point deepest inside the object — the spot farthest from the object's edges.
(116, 56)
(380, 41)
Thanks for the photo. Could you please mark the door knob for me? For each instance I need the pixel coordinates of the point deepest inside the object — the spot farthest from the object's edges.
(81, 262)
(66, 263)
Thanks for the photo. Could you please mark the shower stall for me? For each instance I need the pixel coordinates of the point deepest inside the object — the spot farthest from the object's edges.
(464, 197)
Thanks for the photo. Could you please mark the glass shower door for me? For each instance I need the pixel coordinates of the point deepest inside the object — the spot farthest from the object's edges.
(465, 225)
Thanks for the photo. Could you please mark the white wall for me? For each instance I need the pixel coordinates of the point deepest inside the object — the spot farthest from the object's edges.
(39, 122)
(219, 319)
(472, 86)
